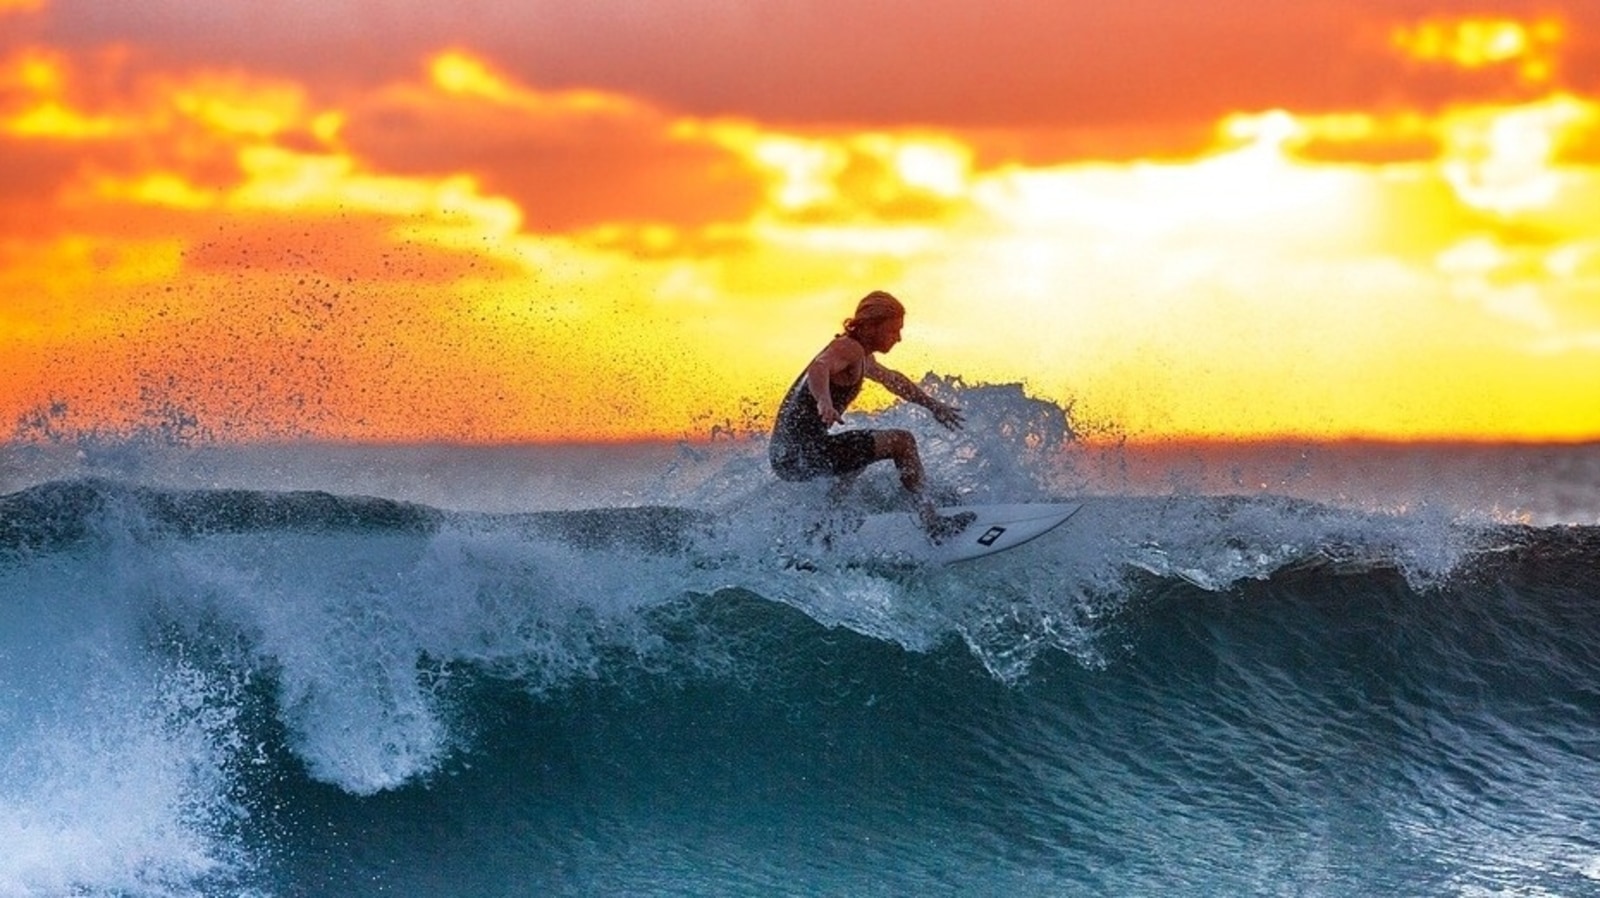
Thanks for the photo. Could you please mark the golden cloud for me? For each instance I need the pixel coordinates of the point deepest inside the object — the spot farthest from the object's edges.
(874, 176)
(1532, 49)
(569, 160)
(433, 255)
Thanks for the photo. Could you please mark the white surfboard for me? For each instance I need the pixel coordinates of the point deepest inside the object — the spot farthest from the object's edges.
(995, 528)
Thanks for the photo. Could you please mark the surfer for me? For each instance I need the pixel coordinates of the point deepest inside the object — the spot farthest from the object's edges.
(802, 448)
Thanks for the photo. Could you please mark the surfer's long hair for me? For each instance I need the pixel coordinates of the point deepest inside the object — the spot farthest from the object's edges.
(876, 306)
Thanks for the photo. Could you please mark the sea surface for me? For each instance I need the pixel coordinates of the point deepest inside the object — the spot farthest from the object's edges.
(638, 670)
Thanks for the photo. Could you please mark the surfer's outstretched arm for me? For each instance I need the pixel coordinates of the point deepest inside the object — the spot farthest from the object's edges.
(903, 387)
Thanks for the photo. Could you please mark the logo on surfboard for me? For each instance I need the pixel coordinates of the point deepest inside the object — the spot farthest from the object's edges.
(992, 534)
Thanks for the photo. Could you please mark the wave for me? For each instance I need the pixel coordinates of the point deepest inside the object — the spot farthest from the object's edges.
(1116, 548)
(183, 664)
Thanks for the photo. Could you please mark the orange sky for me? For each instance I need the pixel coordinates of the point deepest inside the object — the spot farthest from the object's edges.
(552, 220)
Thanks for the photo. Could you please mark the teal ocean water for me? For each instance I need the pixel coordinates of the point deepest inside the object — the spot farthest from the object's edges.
(344, 671)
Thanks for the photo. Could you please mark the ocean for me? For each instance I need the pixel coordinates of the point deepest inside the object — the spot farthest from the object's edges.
(634, 670)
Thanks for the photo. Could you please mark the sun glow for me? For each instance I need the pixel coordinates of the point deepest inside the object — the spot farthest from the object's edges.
(457, 251)
(804, 170)
(1502, 159)
(941, 167)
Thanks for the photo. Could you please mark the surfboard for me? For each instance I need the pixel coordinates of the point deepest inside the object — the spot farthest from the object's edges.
(995, 528)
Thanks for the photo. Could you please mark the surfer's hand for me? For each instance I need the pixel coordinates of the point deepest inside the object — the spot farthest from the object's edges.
(829, 415)
(948, 415)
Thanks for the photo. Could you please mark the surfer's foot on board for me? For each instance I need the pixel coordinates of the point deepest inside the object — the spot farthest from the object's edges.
(943, 527)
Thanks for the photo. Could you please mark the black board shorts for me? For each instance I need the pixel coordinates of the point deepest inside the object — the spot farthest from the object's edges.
(820, 455)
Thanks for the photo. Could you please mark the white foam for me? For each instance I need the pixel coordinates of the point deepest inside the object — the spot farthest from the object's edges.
(112, 771)
(361, 632)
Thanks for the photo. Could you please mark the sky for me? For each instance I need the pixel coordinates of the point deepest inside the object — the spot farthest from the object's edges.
(483, 221)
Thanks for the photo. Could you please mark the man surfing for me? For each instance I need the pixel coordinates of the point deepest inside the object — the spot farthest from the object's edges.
(802, 448)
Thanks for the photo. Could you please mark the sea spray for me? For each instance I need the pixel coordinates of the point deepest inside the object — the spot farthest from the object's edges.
(244, 677)
(116, 765)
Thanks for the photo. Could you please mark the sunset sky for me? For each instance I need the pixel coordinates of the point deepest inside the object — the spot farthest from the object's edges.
(489, 220)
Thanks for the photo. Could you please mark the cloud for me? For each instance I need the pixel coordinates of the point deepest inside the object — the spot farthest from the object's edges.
(1529, 48)
(33, 174)
(1002, 64)
(89, 128)
(570, 160)
(375, 225)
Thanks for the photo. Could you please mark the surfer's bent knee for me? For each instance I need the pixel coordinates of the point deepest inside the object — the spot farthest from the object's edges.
(901, 446)
(896, 444)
